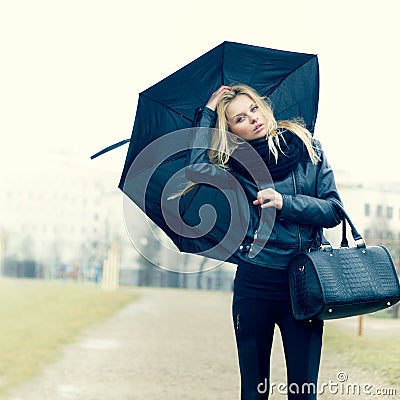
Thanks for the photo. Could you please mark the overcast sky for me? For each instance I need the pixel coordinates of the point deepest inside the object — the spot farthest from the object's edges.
(71, 71)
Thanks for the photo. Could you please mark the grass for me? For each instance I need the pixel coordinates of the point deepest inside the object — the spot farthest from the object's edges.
(38, 318)
(378, 353)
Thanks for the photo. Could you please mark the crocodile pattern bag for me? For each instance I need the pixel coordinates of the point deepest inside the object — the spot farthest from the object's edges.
(336, 283)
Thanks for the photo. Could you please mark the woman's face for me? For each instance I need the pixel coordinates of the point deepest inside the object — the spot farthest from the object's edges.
(245, 119)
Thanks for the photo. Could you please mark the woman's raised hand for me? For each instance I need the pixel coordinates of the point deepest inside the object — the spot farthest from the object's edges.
(212, 102)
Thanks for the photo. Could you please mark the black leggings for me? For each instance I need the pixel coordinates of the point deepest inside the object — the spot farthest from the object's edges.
(254, 321)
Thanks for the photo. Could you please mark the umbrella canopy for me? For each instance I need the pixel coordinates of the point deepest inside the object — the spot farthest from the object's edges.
(155, 162)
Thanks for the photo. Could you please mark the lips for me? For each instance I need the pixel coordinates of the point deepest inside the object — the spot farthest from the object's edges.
(258, 128)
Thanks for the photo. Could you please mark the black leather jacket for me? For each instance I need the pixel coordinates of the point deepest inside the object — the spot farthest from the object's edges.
(309, 194)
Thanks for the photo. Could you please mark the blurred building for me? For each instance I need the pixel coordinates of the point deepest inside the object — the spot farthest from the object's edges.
(375, 211)
(62, 218)
(60, 222)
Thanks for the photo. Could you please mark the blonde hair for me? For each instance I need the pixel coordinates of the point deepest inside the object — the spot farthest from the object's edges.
(223, 144)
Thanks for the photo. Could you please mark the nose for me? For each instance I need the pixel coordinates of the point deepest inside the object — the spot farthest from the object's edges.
(253, 119)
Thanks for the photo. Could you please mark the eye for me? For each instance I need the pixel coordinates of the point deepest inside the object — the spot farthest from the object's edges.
(254, 108)
(240, 119)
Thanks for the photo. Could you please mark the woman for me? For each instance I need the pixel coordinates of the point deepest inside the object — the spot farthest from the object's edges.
(303, 197)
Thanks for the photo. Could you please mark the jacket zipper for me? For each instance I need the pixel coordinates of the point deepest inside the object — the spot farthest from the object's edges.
(295, 192)
(259, 223)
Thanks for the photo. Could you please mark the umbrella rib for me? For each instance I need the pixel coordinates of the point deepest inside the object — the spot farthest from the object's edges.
(158, 164)
(222, 65)
(282, 80)
(254, 74)
(168, 107)
(297, 102)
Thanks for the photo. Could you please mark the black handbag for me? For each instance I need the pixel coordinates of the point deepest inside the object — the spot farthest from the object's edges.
(336, 283)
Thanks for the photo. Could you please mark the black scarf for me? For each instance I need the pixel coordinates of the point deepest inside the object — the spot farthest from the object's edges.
(292, 149)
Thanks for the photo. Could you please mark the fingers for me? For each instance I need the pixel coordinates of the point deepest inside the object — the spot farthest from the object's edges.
(212, 102)
(264, 195)
(223, 89)
(269, 198)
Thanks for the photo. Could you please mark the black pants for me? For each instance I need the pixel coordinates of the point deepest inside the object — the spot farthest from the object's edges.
(254, 321)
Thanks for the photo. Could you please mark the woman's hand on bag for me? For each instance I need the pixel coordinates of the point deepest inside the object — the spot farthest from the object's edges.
(212, 102)
(269, 198)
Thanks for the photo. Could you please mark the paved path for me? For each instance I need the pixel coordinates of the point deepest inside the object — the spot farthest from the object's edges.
(170, 345)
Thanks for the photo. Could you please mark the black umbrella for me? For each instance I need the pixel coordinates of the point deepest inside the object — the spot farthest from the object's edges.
(155, 161)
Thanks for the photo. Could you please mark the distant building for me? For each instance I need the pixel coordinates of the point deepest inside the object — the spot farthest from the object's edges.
(61, 217)
(61, 221)
(375, 211)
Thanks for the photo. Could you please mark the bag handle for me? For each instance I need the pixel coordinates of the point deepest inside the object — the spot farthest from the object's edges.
(359, 240)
